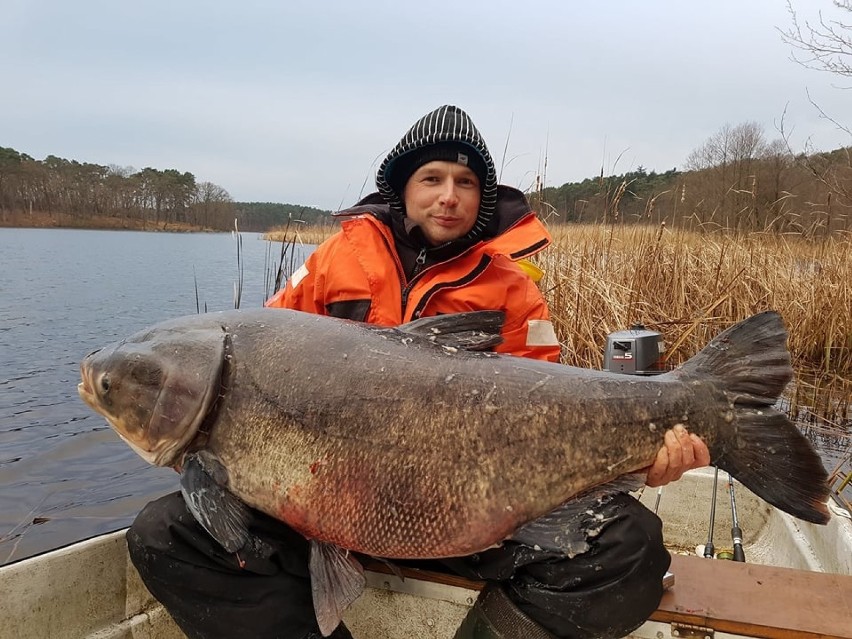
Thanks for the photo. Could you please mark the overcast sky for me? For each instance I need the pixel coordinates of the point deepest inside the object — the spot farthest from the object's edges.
(297, 101)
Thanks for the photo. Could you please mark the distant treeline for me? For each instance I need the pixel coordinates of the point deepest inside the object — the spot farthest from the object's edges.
(735, 180)
(263, 216)
(70, 193)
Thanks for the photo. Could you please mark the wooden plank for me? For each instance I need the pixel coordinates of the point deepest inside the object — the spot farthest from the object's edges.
(758, 601)
(407, 572)
(727, 596)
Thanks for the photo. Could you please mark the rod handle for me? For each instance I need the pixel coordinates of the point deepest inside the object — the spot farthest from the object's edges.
(737, 536)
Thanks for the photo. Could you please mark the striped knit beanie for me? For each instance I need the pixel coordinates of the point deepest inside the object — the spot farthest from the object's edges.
(447, 133)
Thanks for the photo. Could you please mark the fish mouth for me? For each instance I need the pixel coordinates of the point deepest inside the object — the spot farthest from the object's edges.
(85, 388)
(85, 394)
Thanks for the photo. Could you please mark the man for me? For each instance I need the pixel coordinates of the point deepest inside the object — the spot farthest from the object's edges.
(435, 239)
(439, 237)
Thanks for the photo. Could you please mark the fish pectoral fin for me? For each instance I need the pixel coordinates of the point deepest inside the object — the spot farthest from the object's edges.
(217, 509)
(560, 531)
(337, 579)
(567, 529)
(472, 331)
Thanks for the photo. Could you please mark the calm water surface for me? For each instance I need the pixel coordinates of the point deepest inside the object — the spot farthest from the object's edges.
(64, 474)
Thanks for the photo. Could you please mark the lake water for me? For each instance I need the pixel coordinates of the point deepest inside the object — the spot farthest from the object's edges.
(64, 474)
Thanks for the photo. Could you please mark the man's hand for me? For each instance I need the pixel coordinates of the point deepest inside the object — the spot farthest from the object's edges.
(680, 453)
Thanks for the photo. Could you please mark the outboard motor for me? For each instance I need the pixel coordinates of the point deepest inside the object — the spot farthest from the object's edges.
(636, 351)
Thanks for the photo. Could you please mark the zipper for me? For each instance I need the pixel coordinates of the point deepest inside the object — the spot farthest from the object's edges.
(484, 261)
(465, 279)
(405, 288)
(419, 262)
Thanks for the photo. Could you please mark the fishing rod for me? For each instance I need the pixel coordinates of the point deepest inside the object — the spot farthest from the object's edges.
(657, 503)
(736, 531)
(708, 547)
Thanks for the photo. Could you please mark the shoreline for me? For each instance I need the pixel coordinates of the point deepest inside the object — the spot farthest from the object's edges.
(41, 220)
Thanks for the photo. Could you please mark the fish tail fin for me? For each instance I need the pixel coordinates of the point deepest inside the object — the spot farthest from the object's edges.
(750, 360)
(764, 450)
(776, 462)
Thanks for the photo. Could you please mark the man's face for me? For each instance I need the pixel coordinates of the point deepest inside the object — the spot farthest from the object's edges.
(443, 199)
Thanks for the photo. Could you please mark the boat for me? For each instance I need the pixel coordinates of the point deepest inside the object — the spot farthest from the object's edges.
(796, 581)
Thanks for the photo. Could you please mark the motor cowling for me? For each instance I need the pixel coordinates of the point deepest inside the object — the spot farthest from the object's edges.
(635, 351)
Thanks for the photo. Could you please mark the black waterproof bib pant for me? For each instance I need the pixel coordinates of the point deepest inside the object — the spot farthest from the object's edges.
(605, 592)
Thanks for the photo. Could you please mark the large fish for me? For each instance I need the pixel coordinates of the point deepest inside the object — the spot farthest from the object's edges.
(412, 442)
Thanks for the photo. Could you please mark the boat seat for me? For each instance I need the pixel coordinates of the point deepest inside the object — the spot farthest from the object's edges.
(757, 600)
(711, 595)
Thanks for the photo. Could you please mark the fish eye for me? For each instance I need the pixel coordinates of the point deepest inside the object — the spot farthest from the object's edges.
(105, 383)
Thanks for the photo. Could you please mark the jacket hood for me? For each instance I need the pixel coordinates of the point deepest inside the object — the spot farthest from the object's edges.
(444, 124)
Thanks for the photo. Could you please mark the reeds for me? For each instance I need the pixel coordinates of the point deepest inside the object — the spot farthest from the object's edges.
(690, 286)
(294, 233)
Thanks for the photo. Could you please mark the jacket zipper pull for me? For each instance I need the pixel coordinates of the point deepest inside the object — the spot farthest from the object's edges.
(419, 262)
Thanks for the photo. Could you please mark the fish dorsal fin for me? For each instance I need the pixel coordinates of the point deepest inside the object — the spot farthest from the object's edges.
(472, 331)
(218, 510)
(337, 579)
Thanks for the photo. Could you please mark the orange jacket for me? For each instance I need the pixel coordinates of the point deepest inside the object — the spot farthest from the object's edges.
(357, 274)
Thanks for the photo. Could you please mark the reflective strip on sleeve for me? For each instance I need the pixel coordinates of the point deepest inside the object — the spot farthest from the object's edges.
(541, 333)
(300, 274)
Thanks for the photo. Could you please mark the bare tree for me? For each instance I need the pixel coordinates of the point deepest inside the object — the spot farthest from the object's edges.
(212, 206)
(730, 146)
(727, 162)
(825, 45)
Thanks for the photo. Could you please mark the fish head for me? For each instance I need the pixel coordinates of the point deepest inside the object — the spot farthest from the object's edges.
(156, 388)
